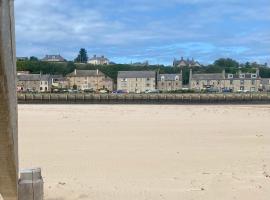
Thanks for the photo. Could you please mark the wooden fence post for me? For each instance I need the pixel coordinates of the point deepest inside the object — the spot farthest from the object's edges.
(8, 104)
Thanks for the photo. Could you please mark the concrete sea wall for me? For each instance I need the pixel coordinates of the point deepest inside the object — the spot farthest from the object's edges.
(261, 98)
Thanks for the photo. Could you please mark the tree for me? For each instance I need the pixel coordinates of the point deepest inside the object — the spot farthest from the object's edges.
(33, 58)
(226, 63)
(82, 57)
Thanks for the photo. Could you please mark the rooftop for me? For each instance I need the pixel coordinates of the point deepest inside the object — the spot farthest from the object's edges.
(136, 74)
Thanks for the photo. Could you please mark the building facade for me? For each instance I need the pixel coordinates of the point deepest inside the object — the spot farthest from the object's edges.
(95, 60)
(247, 82)
(265, 85)
(89, 80)
(169, 82)
(136, 81)
(33, 83)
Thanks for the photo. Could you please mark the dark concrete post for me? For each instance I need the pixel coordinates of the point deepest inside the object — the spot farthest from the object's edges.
(8, 104)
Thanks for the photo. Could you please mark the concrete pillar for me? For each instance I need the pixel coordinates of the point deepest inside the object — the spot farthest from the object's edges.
(31, 185)
(8, 104)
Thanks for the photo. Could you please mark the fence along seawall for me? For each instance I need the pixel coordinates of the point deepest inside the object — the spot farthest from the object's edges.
(144, 98)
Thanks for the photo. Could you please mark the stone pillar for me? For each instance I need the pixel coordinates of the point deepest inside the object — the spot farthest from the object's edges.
(31, 185)
(8, 104)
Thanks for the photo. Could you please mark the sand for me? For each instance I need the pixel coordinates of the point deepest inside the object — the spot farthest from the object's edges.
(148, 152)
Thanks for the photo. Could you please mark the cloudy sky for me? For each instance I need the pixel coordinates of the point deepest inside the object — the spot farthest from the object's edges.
(138, 30)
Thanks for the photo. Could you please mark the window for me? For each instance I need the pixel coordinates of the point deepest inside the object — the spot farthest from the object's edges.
(242, 82)
(40, 88)
(170, 84)
(253, 75)
(162, 84)
(231, 82)
(162, 78)
(242, 75)
(197, 82)
(176, 78)
(124, 80)
(176, 84)
(253, 82)
(230, 75)
(148, 79)
(147, 85)
(218, 82)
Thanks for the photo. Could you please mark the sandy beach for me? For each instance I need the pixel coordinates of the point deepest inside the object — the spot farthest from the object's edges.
(148, 152)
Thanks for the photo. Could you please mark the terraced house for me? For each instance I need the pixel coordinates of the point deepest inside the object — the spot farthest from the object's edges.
(89, 80)
(34, 83)
(169, 82)
(136, 81)
(226, 82)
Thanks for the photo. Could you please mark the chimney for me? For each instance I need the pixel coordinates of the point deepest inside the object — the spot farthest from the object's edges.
(223, 74)
(75, 72)
(97, 72)
(258, 71)
(190, 78)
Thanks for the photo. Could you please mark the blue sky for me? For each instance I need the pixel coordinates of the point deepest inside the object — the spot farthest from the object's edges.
(139, 30)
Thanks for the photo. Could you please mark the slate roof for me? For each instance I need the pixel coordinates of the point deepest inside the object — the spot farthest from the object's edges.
(53, 57)
(102, 58)
(169, 77)
(183, 62)
(33, 77)
(214, 76)
(136, 74)
(84, 73)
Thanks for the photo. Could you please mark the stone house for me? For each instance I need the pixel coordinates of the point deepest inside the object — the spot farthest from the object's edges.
(59, 82)
(229, 82)
(136, 81)
(95, 60)
(265, 85)
(169, 82)
(53, 58)
(89, 80)
(33, 83)
(186, 63)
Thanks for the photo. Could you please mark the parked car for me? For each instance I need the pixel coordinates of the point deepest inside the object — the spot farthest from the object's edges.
(151, 91)
(120, 92)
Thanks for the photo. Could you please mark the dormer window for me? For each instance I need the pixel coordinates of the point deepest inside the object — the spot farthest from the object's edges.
(253, 75)
(177, 78)
(242, 76)
(230, 75)
(163, 78)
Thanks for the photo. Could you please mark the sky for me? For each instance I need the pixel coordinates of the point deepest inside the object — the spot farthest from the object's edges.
(128, 31)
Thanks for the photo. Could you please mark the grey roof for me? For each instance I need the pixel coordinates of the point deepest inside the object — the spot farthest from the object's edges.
(136, 74)
(169, 77)
(53, 57)
(214, 76)
(102, 58)
(33, 77)
(187, 62)
(80, 73)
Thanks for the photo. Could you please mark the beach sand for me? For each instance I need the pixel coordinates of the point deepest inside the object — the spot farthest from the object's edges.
(148, 152)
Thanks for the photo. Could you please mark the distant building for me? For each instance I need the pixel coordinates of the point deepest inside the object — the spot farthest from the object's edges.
(186, 63)
(140, 64)
(22, 58)
(95, 60)
(33, 83)
(59, 82)
(229, 82)
(169, 82)
(53, 58)
(22, 72)
(89, 80)
(265, 84)
(136, 81)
